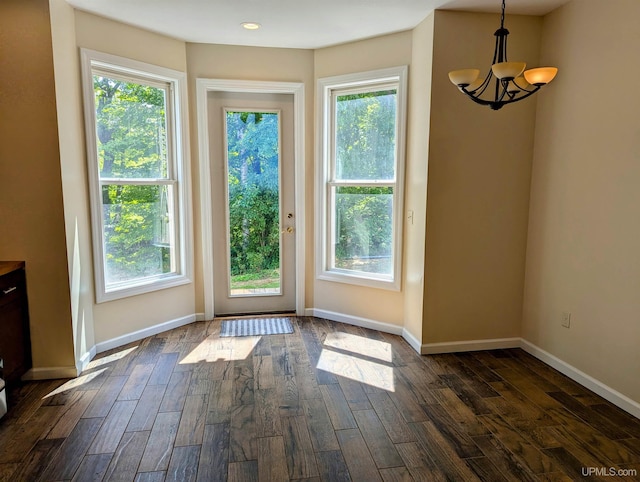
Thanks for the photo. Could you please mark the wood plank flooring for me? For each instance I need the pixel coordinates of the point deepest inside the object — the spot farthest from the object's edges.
(330, 402)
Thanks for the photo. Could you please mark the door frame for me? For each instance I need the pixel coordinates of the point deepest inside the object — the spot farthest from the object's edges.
(203, 87)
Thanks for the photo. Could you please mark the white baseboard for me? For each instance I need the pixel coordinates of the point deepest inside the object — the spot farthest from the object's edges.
(366, 323)
(50, 373)
(587, 381)
(140, 334)
(355, 320)
(201, 317)
(470, 345)
(85, 359)
(412, 340)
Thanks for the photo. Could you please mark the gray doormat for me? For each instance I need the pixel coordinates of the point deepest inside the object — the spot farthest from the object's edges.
(256, 326)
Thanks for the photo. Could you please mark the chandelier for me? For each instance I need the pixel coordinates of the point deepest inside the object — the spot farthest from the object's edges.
(512, 82)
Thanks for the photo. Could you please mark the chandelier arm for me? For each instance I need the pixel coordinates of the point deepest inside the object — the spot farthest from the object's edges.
(477, 100)
(495, 105)
(502, 84)
(478, 91)
(500, 49)
(537, 88)
(498, 98)
(516, 99)
(528, 93)
(496, 49)
(504, 46)
(496, 90)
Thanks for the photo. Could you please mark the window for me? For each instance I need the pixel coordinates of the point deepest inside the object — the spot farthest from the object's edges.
(361, 177)
(138, 175)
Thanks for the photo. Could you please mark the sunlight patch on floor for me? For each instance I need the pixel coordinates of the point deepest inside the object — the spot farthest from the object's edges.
(75, 383)
(222, 349)
(358, 369)
(354, 357)
(109, 359)
(379, 350)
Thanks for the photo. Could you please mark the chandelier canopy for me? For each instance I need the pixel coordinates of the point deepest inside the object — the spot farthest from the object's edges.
(512, 81)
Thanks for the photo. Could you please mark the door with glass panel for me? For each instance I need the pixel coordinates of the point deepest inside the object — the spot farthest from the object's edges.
(253, 202)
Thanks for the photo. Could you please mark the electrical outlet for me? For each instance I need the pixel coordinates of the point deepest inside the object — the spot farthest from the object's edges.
(566, 319)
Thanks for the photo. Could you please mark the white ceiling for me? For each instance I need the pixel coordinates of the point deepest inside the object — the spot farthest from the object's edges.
(306, 24)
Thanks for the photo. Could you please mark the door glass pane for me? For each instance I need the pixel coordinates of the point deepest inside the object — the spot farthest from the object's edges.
(253, 166)
(366, 135)
(364, 229)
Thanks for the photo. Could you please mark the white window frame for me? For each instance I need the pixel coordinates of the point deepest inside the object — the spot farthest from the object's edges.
(178, 158)
(327, 89)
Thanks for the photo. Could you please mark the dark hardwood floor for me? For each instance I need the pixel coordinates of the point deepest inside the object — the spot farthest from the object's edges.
(329, 402)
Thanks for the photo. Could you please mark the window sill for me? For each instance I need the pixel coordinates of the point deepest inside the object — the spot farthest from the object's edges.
(360, 279)
(146, 286)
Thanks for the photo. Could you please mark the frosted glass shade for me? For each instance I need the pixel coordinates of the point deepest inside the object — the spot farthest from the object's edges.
(508, 70)
(475, 84)
(517, 85)
(464, 76)
(541, 75)
(522, 82)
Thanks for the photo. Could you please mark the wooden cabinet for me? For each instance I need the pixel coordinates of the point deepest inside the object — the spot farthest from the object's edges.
(15, 342)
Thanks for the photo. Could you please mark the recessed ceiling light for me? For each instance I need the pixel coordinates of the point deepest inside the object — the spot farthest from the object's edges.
(251, 25)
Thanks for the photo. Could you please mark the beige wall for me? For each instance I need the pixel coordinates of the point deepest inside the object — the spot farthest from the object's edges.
(31, 207)
(377, 53)
(583, 254)
(251, 63)
(117, 318)
(74, 173)
(116, 38)
(478, 194)
(418, 125)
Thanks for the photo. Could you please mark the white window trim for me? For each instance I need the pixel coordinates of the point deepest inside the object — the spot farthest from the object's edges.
(180, 134)
(324, 176)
